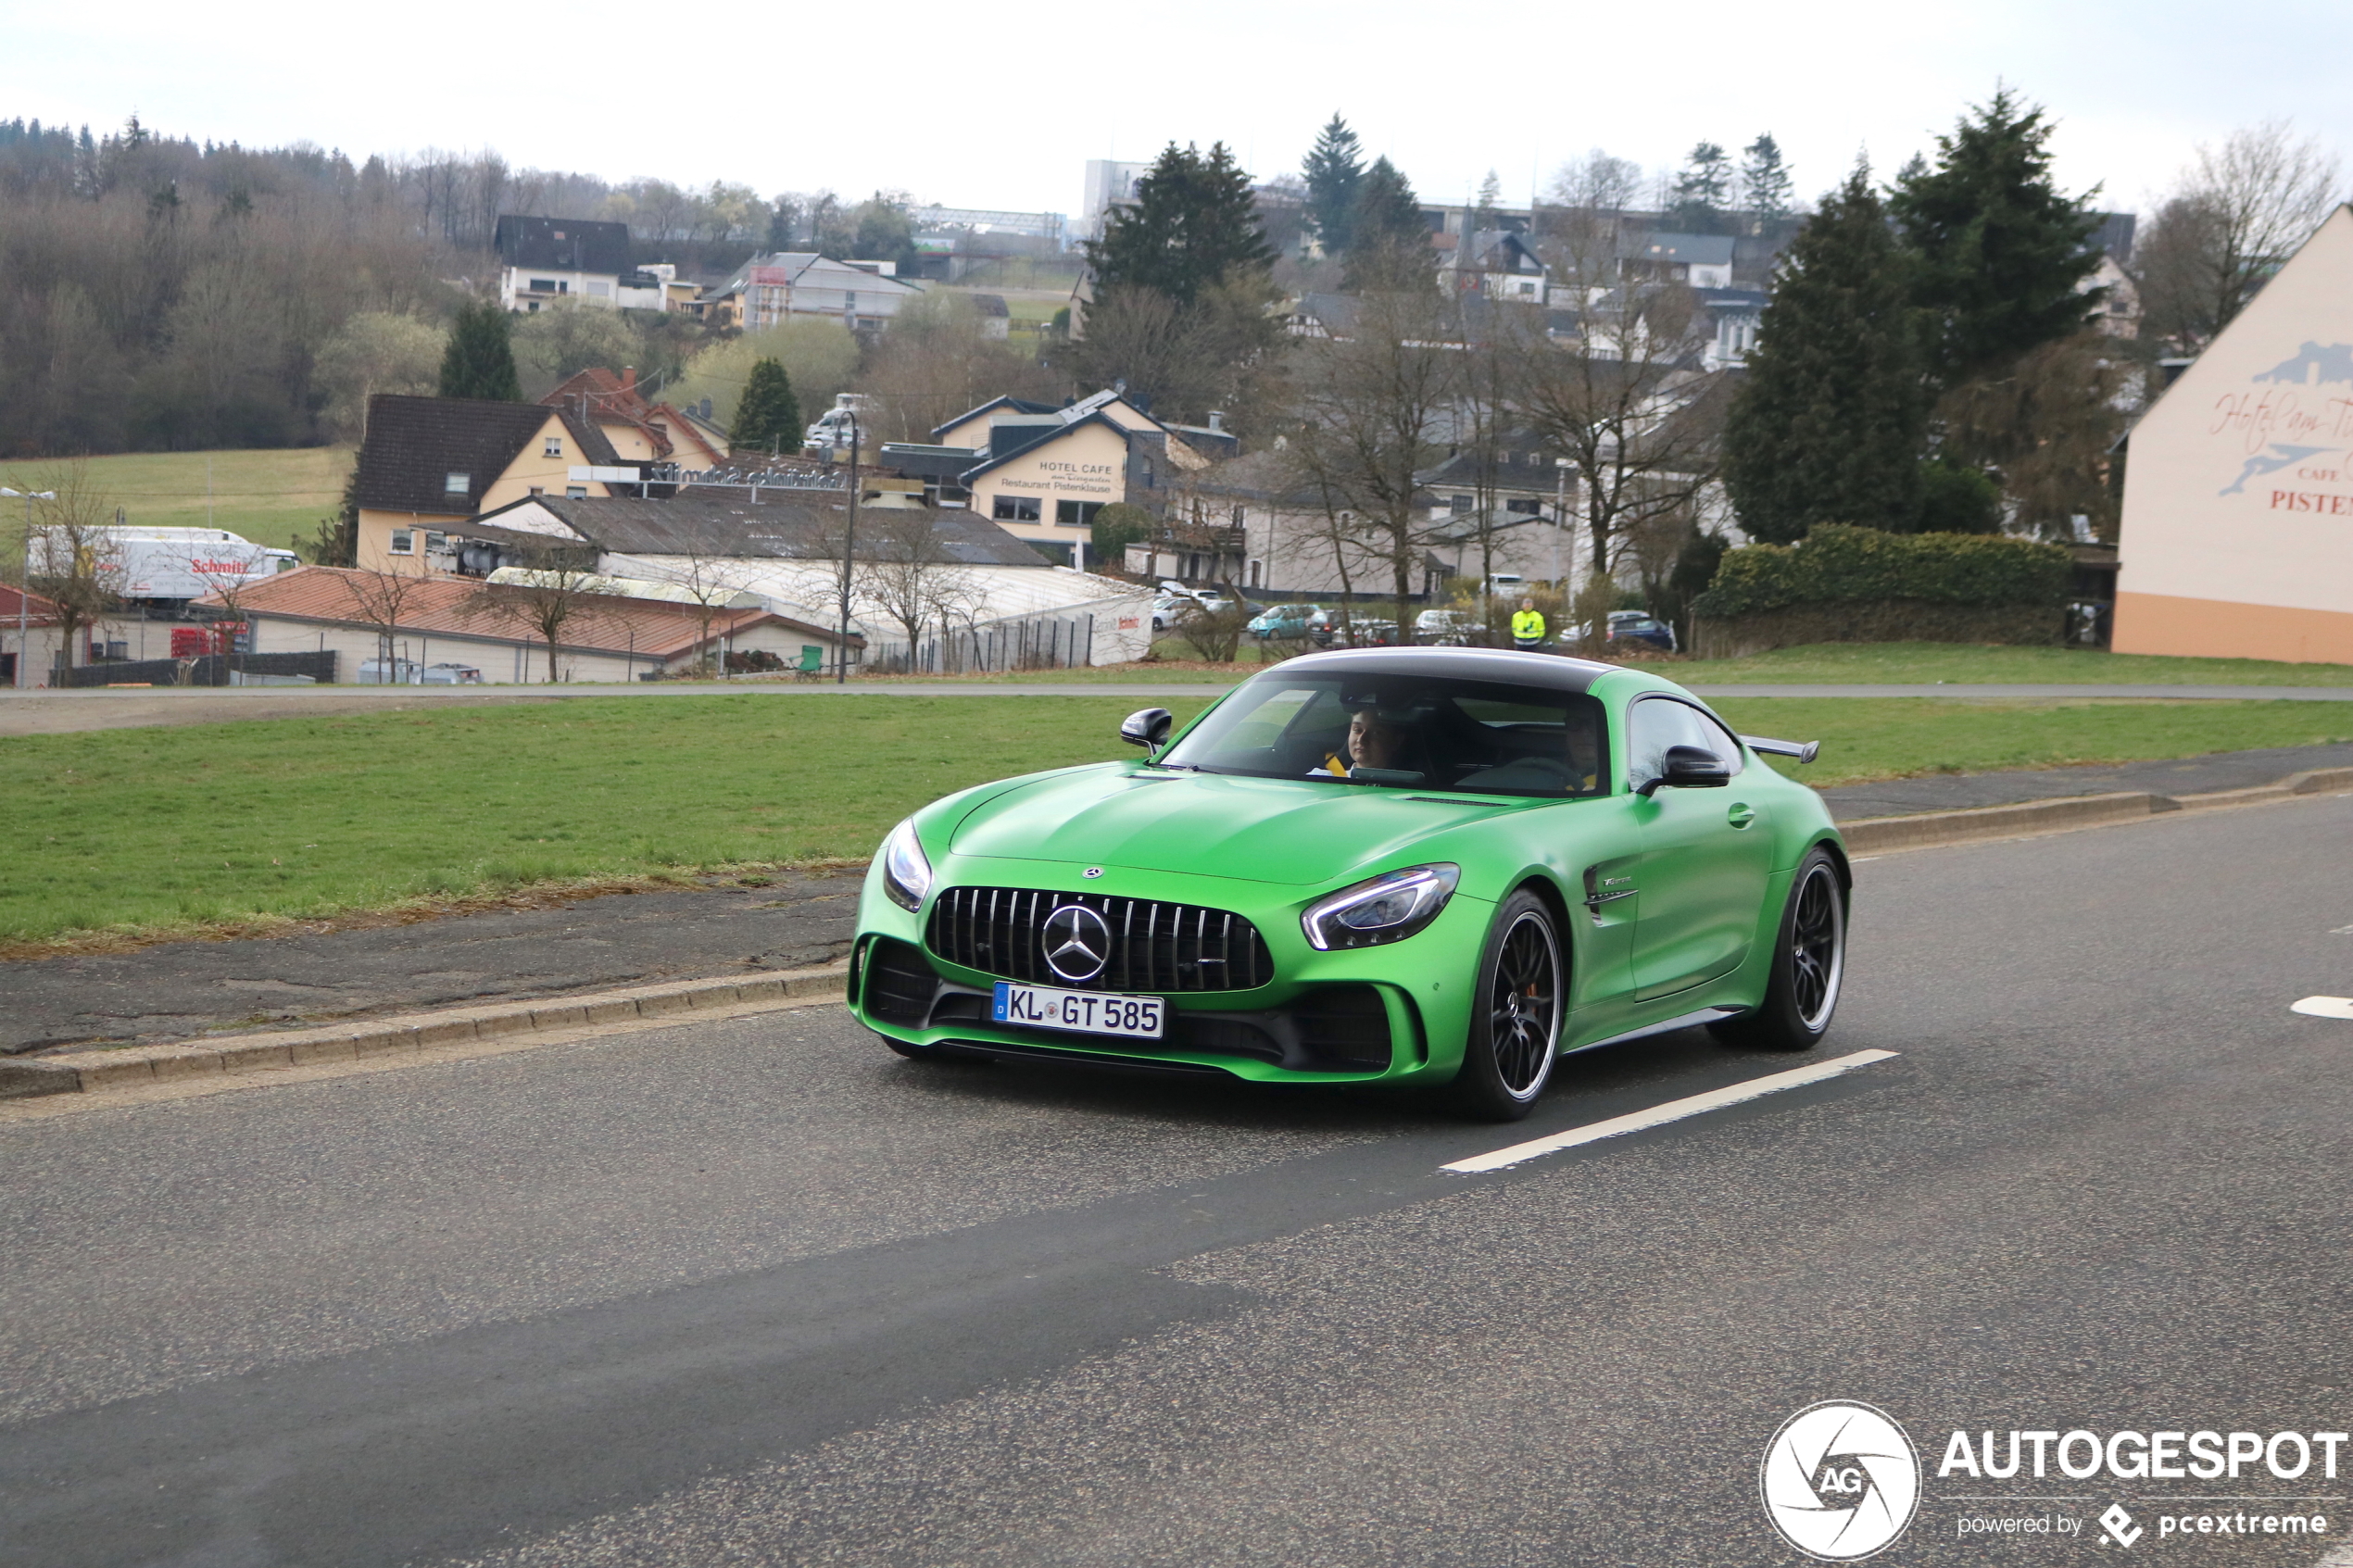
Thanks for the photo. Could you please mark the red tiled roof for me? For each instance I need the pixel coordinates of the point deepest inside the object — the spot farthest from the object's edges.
(462, 607)
(37, 610)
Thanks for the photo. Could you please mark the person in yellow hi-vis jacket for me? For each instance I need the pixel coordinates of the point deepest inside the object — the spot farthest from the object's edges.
(1528, 625)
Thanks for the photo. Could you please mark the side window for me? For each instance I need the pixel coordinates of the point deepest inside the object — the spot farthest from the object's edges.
(1658, 723)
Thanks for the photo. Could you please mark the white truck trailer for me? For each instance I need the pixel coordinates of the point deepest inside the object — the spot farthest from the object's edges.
(165, 564)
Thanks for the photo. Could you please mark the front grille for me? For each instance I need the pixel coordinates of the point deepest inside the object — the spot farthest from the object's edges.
(1154, 946)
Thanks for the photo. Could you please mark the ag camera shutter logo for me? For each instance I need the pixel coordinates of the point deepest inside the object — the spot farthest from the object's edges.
(1840, 1480)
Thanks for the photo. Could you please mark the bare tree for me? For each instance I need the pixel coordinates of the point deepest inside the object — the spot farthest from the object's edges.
(713, 582)
(552, 591)
(1370, 409)
(1619, 392)
(907, 573)
(379, 599)
(74, 558)
(226, 575)
(2048, 426)
(2239, 210)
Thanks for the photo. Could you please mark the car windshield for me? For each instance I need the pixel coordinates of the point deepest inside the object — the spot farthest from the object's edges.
(1404, 733)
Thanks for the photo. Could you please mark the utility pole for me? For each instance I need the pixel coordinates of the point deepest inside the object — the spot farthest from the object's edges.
(24, 588)
(848, 556)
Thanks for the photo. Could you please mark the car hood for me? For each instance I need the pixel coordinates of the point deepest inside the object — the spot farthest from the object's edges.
(1258, 830)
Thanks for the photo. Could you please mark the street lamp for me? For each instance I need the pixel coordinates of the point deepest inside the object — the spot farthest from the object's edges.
(24, 585)
(1560, 516)
(849, 559)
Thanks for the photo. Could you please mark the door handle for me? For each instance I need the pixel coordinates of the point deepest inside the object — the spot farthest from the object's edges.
(1740, 816)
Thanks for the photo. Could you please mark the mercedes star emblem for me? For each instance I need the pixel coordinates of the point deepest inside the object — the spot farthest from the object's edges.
(1077, 942)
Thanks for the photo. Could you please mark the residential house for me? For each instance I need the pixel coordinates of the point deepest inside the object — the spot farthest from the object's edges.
(770, 289)
(1502, 263)
(1704, 261)
(628, 630)
(430, 462)
(639, 430)
(545, 259)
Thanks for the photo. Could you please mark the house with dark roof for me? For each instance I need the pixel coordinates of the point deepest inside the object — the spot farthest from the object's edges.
(430, 462)
(545, 259)
(1042, 474)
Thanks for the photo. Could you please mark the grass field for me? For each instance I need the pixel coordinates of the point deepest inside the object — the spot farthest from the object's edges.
(222, 827)
(270, 498)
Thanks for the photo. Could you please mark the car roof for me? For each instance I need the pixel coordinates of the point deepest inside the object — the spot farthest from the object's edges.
(1457, 664)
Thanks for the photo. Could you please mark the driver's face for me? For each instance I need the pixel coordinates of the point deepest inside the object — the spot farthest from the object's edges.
(1373, 743)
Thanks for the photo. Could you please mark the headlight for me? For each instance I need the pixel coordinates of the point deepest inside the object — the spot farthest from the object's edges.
(906, 875)
(1389, 907)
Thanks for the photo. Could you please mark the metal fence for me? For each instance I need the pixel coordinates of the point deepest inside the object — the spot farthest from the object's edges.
(210, 670)
(1044, 643)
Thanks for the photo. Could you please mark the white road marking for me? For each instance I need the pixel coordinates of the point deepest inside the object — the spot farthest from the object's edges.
(2324, 1007)
(2342, 931)
(1673, 1111)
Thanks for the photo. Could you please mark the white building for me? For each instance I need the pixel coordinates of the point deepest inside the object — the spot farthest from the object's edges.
(544, 260)
(2237, 534)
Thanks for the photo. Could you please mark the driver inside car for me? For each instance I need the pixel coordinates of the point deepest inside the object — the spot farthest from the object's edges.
(1373, 742)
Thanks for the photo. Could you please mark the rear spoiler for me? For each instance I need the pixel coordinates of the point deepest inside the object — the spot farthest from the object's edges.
(1804, 750)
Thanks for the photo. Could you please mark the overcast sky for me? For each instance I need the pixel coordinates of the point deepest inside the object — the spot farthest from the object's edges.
(1000, 105)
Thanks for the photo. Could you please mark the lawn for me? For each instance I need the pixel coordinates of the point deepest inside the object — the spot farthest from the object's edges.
(270, 498)
(221, 827)
(211, 826)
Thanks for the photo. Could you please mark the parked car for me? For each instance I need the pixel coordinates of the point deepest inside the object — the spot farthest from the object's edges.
(1365, 632)
(1448, 628)
(388, 672)
(1290, 620)
(1316, 844)
(449, 675)
(1637, 626)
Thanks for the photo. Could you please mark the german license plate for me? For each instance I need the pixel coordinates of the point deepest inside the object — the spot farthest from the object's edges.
(1082, 1012)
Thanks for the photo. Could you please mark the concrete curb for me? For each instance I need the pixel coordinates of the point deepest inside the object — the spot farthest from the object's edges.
(1929, 829)
(94, 1072)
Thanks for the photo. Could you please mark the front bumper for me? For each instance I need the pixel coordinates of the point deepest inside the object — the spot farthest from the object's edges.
(1398, 1013)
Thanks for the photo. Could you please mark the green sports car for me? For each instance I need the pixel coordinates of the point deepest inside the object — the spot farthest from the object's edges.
(1431, 866)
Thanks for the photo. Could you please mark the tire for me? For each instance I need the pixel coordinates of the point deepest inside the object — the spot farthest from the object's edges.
(1516, 1021)
(1810, 966)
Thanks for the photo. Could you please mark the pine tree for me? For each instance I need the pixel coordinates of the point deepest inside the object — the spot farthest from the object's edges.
(1766, 191)
(480, 360)
(1702, 190)
(768, 415)
(1194, 225)
(1333, 168)
(1391, 249)
(1831, 420)
(1491, 198)
(2002, 252)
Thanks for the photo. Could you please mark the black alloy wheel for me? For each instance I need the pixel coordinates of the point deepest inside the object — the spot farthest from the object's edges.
(1810, 966)
(1516, 1030)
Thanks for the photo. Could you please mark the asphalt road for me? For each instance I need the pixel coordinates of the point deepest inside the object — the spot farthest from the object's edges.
(760, 1292)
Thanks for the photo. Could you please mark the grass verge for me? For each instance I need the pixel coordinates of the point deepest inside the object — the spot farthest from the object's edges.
(270, 498)
(127, 835)
(211, 829)
(1870, 738)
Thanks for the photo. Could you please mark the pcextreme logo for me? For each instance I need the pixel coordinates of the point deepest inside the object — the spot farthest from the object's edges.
(1840, 1480)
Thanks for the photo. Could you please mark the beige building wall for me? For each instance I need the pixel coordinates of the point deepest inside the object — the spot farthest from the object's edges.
(2237, 532)
(543, 467)
(1088, 465)
(502, 660)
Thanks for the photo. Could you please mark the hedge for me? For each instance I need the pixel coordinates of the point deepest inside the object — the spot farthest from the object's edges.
(1839, 564)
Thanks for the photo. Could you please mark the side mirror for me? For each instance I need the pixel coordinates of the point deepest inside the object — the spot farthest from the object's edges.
(1690, 767)
(1148, 727)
